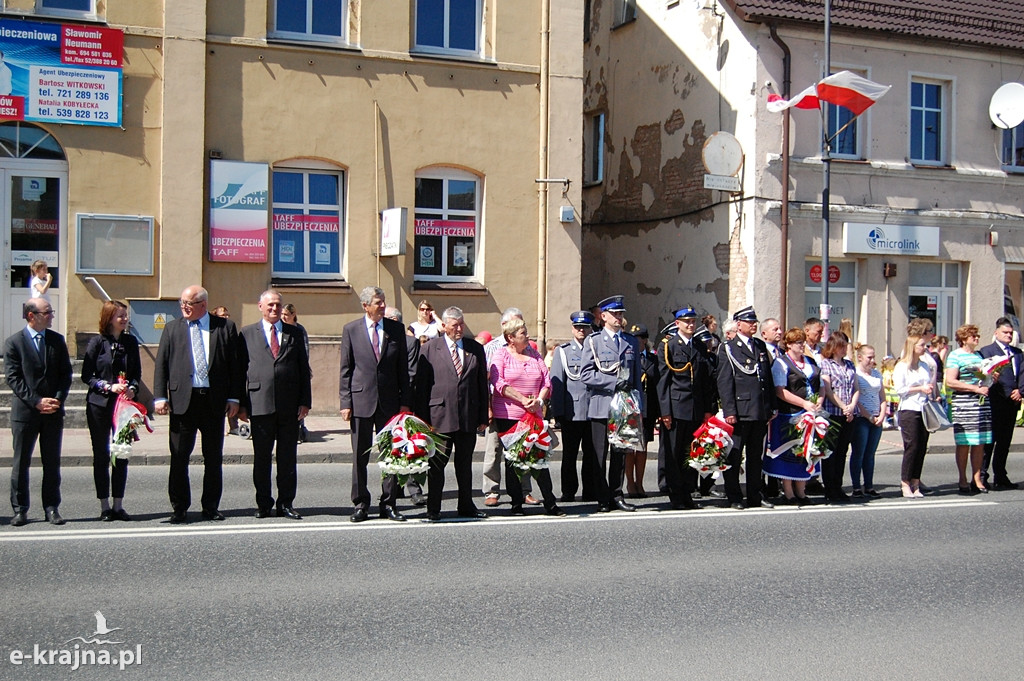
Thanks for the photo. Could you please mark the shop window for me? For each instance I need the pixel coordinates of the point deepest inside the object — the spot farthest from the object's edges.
(593, 149)
(447, 225)
(934, 293)
(625, 12)
(448, 26)
(319, 20)
(842, 290)
(1013, 149)
(928, 122)
(308, 223)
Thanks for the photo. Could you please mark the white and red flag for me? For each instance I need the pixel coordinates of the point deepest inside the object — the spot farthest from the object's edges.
(845, 89)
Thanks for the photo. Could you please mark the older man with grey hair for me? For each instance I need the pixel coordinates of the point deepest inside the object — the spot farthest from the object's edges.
(493, 459)
(373, 387)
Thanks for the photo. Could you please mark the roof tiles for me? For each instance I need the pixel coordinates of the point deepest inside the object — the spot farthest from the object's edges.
(997, 23)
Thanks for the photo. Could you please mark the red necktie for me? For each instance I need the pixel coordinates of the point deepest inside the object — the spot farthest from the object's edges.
(275, 347)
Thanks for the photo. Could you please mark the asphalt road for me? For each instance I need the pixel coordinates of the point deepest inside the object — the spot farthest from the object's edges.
(893, 589)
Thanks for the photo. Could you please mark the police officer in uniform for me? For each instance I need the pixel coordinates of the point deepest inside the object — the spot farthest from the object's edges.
(686, 393)
(747, 393)
(569, 409)
(611, 362)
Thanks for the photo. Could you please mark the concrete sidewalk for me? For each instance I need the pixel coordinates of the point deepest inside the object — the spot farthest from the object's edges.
(330, 442)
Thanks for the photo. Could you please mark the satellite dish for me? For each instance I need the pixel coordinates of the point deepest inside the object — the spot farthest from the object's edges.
(1007, 106)
(722, 154)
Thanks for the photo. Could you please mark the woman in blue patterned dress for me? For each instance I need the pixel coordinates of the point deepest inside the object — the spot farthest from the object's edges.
(972, 414)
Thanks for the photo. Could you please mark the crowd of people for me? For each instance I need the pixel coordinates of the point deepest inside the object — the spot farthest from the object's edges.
(207, 370)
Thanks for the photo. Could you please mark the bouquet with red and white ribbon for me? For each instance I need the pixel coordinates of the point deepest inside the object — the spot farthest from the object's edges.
(809, 435)
(711, 444)
(626, 421)
(527, 444)
(128, 417)
(989, 369)
(405, 445)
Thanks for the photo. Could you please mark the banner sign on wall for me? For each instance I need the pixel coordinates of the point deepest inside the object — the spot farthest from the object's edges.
(238, 211)
(431, 227)
(60, 73)
(890, 239)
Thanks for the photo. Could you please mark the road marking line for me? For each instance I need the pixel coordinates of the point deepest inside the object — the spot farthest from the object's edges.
(66, 534)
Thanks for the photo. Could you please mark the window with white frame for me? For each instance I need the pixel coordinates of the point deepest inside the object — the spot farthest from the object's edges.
(84, 9)
(448, 26)
(447, 225)
(593, 148)
(928, 121)
(625, 12)
(844, 130)
(1013, 149)
(318, 20)
(308, 223)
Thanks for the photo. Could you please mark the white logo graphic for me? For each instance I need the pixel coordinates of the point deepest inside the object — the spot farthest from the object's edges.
(88, 653)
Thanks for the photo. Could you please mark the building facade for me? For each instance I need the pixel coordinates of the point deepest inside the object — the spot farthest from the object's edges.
(926, 210)
(258, 143)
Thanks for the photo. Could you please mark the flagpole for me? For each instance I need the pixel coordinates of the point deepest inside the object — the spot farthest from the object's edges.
(826, 160)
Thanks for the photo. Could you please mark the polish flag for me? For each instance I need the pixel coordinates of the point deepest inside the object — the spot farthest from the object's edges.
(844, 89)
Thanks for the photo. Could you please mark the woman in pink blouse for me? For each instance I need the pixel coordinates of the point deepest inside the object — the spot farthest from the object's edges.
(520, 383)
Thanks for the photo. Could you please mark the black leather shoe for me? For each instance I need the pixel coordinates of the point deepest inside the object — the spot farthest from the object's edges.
(567, 498)
(288, 512)
(473, 514)
(107, 516)
(358, 516)
(767, 504)
(738, 505)
(803, 501)
(391, 513)
(178, 518)
(212, 515)
(604, 509)
(54, 517)
(121, 514)
(433, 518)
(1005, 485)
(19, 519)
(556, 512)
(622, 505)
(517, 509)
(418, 499)
(262, 513)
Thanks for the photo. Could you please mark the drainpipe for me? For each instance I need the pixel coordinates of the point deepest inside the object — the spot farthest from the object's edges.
(542, 188)
(787, 60)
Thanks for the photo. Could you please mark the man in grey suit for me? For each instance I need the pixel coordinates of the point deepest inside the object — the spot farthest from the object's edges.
(39, 373)
(611, 363)
(569, 408)
(278, 397)
(453, 399)
(198, 378)
(373, 387)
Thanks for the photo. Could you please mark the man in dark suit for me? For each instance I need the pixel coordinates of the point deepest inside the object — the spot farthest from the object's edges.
(198, 379)
(373, 387)
(278, 397)
(569, 408)
(413, 489)
(611, 364)
(686, 393)
(453, 399)
(1005, 397)
(38, 372)
(747, 393)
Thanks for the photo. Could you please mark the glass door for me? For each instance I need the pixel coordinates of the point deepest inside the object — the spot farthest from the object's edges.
(32, 207)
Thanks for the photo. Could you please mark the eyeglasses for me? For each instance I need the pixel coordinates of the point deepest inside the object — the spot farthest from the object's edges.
(426, 309)
(44, 313)
(191, 303)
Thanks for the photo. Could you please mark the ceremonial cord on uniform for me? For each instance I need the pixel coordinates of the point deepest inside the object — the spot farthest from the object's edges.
(688, 365)
(748, 372)
(565, 365)
(597, 363)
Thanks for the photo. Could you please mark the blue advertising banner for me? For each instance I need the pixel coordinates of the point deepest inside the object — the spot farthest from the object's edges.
(60, 73)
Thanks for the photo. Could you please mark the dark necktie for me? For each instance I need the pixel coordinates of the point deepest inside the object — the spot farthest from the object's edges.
(375, 342)
(41, 349)
(275, 346)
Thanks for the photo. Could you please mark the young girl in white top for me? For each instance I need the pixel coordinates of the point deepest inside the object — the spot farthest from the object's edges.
(41, 280)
